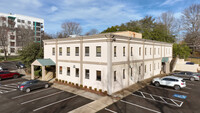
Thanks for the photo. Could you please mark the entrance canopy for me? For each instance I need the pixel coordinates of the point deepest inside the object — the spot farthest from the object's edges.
(165, 59)
(43, 63)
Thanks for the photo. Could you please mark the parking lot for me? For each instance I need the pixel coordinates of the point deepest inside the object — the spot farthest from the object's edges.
(50, 100)
(11, 65)
(151, 99)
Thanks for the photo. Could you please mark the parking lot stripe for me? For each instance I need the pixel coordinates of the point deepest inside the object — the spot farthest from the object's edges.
(54, 103)
(10, 86)
(42, 97)
(174, 102)
(30, 93)
(163, 99)
(169, 89)
(142, 94)
(189, 84)
(187, 88)
(110, 110)
(152, 97)
(6, 88)
(140, 106)
(156, 100)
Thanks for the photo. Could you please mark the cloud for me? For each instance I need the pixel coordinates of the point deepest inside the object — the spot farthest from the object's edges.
(170, 2)
(54, 8)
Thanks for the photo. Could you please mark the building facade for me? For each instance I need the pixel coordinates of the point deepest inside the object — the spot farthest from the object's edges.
(20, 21)
(108, 62)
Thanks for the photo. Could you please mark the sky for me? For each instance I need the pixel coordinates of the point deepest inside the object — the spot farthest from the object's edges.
(98, 14)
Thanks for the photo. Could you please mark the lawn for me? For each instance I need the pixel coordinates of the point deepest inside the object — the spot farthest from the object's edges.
(10, 58)
(195, 60)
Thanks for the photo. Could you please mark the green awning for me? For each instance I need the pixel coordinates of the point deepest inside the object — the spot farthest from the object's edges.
(165, 59)
(46, 62)
(11, 17)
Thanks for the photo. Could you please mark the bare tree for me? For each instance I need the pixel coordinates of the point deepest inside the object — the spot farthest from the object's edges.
(25, 35)
(191, 23)
(168, 19)
(6, 28)
(71, 28)
(92, 32)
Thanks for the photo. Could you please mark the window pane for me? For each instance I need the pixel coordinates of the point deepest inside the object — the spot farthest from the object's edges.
(68, 51)
(87, 74)
(53, 51)
(115, 49)
(98, 51)
(98, 75)
(60, 70)
(123, 73)
(87, 51)
(115, 78)
(68, 70)
(60, 50)
(124, 51)
(77, 51)
(77, 72)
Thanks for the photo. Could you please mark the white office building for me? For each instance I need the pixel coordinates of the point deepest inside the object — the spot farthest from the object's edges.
(109, 61)
(21, 21)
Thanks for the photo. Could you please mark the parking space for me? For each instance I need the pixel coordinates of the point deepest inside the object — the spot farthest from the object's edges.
(151, 99)
(11, 65)
(48, 100)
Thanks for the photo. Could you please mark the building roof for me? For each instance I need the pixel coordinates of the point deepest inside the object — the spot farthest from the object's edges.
(44, 62)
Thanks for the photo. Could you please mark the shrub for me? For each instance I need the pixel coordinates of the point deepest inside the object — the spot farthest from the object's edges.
(72, 83)
(66, 82)
(56, 79)
(62, 81)
(100, 90)
(69, 82)
(95, 89)
(90, 88)
(76, 84)
(81, 86)
(59, 80)
(85, 86)
(105, 92)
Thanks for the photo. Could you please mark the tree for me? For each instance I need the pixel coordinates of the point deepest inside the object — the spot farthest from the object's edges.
(92, 32)
(30, 53)
(181, 50)
(6, 30)
(191, 23)
(25, 35)
(71, 28)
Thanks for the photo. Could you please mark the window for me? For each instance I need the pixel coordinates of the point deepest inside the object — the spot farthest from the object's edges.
(68, 51)
(154, 66)
(123, 73)
(22, 21)
(131, 51)
(131, 72)
(12, 37)
(77, 72)
(158, 51)
(60, 69)
(115, 78)
(139, 70)
(98, 51)
(77, 51)
(87, 74)
(145, 51)
(154, 51)
(98, 75)
(158, 65)
(139, 50)
(29, 22)
(150, 51)
(124, 51)
(12, 50)
(53, 51)
(87, 51)
(150, 67)
(12, 43)
(18, 20)
(60, 51)
(68, 71)
(115, 49)
(145, 68)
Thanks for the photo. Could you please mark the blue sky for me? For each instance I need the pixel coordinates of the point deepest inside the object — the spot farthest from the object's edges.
(98, 14)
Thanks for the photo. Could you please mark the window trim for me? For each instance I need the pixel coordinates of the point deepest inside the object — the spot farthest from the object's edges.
(98, 54)
(87, 54)
(87, 75)
(76, 51)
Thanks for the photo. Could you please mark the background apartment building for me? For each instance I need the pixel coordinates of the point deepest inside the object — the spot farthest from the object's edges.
(17, 25)
(110, 61)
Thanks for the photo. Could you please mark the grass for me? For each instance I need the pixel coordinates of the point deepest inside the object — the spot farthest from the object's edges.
(10, 58)
(195, 60)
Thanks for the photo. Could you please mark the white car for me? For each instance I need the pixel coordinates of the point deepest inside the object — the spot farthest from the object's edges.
(170, 81)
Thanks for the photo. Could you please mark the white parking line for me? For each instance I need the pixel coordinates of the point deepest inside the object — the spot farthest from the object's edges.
(30, 93)
(54, 103)
(163, 99)
(189, 84)
(169, 89)
(6, 88)
(110, 110)
(41, 97)
(187, 88)
(140, 106)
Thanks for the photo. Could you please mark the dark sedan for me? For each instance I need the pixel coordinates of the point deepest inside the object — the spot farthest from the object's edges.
(187, 75)
(27, 86)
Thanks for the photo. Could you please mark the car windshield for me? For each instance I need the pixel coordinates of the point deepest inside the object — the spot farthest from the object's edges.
(26, 82)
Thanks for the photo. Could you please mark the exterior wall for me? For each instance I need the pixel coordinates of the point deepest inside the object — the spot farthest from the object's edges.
(48, 52)
(143, 66)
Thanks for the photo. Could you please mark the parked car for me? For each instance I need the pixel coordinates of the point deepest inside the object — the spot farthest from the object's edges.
(170, 81)
(7, 74)
(190, 63)
(30, 85)
(20, 65)
(187, 75)
(3, 69)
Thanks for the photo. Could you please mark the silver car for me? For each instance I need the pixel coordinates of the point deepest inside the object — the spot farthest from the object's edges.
(187, 75)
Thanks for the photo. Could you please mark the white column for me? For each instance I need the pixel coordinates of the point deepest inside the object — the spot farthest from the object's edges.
(32, 72)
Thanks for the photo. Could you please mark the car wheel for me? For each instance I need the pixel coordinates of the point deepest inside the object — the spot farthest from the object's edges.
(46, 85)
(177, 87)
(192, 79)
(15, 76)
(157, 84)
(28, 90)
(0, 79)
